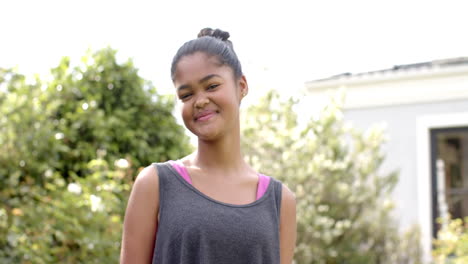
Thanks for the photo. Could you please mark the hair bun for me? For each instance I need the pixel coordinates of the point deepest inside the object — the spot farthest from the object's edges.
(217, 33)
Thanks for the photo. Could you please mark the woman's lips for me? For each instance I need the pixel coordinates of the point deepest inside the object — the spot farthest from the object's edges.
(204, 116)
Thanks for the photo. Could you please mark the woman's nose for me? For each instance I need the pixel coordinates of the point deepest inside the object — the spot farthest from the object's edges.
(202, 101)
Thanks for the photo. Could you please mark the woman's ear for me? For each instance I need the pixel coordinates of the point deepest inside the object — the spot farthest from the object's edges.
(243, 86)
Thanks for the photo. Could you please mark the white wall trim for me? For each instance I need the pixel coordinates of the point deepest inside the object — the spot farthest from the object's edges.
(424, 125)
(376, 78)
(418, 86)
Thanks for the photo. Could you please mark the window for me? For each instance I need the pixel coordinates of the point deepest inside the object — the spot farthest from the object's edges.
(449, 149)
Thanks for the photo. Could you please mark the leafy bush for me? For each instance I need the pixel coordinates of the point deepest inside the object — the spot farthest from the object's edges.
(451, 245)
(101, 104)
(78, 222)
(60, 121)
(62, 197)
(343, 202)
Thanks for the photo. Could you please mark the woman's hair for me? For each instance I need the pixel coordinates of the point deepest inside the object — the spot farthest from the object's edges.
(213, 43)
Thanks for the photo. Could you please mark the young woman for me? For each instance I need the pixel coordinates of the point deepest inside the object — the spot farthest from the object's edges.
(211, 206)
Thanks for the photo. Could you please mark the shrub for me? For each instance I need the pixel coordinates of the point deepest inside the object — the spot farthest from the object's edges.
(76, 222)
(451, 245)
(343, 201)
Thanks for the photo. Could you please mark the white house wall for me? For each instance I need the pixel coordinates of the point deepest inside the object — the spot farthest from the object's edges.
(401, 148)
(410, 102)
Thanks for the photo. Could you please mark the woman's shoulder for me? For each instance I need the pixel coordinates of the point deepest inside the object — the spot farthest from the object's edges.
(147, 175)
(146, 184)
(287, 194)
(141, 217)
(144, 196)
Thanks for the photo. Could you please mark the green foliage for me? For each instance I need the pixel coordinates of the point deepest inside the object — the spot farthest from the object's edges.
(27, 143)
(64, 182)
(66, 130)
(343, 202)
(105, 105)
(98, 105)
(451, 245)
(78, 222)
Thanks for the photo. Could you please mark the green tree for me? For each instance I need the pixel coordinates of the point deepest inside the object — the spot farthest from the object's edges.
(61, 123)
(343, 202)
(75, 128)
(27, 143)
(107, 106)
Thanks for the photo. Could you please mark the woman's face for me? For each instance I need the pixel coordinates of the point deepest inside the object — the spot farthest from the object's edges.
(210, 95)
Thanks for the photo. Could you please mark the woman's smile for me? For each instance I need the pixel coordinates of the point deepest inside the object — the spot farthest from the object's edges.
(205, 115)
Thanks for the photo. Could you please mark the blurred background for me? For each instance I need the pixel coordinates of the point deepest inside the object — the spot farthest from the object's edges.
(360, 107)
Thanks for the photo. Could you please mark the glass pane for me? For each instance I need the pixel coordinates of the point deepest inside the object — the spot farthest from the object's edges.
(452, 149)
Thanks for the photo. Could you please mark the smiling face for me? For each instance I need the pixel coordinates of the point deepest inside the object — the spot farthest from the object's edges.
(210, 95)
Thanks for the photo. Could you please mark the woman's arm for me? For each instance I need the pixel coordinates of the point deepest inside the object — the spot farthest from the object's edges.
(141, 219)
(287, 226)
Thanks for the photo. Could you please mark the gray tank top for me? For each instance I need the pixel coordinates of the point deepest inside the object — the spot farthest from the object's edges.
(194, 228)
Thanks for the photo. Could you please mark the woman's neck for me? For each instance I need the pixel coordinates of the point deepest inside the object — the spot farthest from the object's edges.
(222, 154)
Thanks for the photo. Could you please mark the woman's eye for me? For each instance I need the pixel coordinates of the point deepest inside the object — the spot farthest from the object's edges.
(184, 96)
(212, 86)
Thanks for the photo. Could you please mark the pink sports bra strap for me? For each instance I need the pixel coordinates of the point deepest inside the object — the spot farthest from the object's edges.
(263, 180)
(180, 168)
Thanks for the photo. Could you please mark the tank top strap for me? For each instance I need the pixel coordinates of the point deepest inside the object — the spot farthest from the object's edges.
(278, 188)
(165, 179)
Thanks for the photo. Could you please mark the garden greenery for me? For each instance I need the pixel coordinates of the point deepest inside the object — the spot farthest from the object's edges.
(72, 143)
